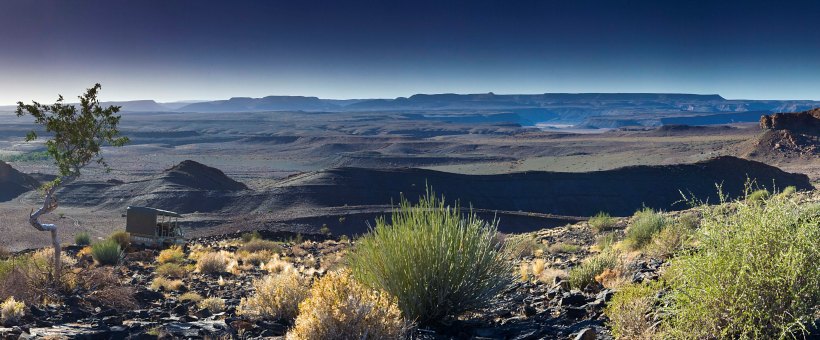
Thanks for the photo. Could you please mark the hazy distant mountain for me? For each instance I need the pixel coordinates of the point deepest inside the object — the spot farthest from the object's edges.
(491, 100)
(270, 103)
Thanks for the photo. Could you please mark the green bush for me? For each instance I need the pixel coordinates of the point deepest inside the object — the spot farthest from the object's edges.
(82, 239)
(106, 253)
(602, 221)
(754, 274)
(434, 260)
(645, 224)
(584, 274)
(123, 238)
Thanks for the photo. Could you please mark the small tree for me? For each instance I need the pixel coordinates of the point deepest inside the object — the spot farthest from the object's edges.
(77, 134)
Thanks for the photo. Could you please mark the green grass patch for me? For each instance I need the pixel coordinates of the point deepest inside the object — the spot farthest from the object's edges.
(82, 239)
(584, 274)
(106, 253)
(602, 222)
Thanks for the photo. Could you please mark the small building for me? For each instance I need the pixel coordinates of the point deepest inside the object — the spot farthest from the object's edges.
(153, 227)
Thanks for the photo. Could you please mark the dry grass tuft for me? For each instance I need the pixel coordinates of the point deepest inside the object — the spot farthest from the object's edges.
(341, 308)
(276, 297)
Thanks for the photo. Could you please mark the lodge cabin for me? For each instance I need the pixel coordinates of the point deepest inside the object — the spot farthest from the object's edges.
(153, 227)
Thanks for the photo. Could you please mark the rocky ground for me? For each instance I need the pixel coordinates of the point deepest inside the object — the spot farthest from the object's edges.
(123, 301)
(535, 308)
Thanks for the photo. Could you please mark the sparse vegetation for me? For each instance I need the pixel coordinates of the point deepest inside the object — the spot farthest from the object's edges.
(106, 253)
(645, 224)
(82, 239)
(584, 274)
(190, 296)
(561, 247)
(163, 284)
(171, 270)
(11, 310)
(254, 235)
(339, 307)
(605, 242)
(669, 240)
(174, 254)
(522, 245)
(213, 304)
(602, 222)
(255, 245)
(212, 263)
(276, 296)
(754, 274)
(435, 261)
(627, 312)
(122, 238)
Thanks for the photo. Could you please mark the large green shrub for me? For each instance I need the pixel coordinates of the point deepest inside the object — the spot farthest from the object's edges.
(645, 224)
(106, 252)
(754, 274)
(434, 260)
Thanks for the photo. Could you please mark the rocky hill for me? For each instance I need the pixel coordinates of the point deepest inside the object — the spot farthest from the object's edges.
(794, 134)
(13, 182)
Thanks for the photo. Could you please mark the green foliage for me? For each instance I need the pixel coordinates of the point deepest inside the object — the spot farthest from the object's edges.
(82, 239)
(628, 309)
(77, 133)
(754, 274)
(584, 274)
(434, 260)
(123, 238)
(645, 223)
(602, 221)
(106, 253)
(758, 195)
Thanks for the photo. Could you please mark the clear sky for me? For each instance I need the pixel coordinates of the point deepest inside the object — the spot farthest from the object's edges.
(175, 50)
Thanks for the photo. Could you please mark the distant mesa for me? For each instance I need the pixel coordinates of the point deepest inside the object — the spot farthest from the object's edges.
(199, 176)
(13, 182)
(270, 103)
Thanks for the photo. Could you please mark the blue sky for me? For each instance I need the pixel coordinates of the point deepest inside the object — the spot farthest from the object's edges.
(176, 50)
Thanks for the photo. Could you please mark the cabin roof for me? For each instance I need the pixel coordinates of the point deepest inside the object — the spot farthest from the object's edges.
(158, 212)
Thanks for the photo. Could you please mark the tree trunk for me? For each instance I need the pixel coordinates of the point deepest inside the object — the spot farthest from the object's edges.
(49, 204)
